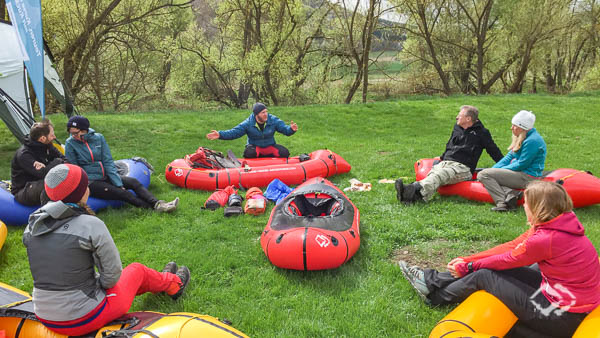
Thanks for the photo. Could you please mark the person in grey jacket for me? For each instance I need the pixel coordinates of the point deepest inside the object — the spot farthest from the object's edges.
(89, 150)
(65, 244)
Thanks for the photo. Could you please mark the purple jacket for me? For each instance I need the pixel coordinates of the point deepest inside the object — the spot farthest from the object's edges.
(566, 257)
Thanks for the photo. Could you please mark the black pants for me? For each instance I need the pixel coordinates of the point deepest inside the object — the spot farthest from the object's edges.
(106, 190)
(518, 289)
(275, 150)
(32, 194)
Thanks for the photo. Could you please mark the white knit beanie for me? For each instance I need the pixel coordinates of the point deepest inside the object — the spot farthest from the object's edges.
(524, 120)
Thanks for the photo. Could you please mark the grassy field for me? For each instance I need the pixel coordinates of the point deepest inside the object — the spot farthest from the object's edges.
(366, 297)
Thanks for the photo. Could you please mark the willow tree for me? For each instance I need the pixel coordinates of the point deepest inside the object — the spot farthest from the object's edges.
(77, 30)
(259, 48)
(357, 25)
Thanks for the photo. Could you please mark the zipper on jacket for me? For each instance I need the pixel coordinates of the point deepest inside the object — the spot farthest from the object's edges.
(92, 156)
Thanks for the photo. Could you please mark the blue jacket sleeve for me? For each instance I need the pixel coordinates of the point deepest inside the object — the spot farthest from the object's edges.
(528, 152)
(505, 161)
(109, 164)
(233, 133)
(281, 127)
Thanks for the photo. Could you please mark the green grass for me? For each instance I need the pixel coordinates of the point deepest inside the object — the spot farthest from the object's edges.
(367, 297)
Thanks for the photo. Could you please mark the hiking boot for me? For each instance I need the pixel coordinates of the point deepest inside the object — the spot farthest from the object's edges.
(409, 195)
(501, 207)
(170, 267)
(184, 275)
(399, 189)
(416, 278)
(513, 200)
(162, 206)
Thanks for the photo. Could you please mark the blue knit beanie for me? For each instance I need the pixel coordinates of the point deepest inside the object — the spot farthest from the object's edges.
(258, 107)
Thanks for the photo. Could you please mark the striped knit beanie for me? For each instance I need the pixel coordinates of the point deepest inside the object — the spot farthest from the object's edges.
(66, 182)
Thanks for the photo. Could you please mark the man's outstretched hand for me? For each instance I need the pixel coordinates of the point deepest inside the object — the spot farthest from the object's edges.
(213, 135)
(294, 126)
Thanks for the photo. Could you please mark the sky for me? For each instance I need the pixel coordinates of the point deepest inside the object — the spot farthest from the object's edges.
(389, 15)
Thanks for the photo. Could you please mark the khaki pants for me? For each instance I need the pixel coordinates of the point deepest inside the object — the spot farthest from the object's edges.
(445, 172)
(501, 182)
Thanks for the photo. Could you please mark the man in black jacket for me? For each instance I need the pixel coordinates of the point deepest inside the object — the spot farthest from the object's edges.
(32, 162)
(469, 138)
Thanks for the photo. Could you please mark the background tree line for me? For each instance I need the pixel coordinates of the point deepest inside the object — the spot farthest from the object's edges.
(129, 54)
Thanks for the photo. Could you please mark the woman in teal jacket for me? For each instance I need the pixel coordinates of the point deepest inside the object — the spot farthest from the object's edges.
(89, 150)
(523, 163)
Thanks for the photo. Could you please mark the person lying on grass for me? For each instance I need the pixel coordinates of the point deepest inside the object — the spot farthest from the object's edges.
(523, 164)
(89, 150)
(65, 243)
(549, 277)
(260, 127)
(458, 162)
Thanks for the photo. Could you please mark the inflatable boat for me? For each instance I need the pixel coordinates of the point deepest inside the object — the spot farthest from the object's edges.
(210, 170)
(15, 213)
(315, 227)
(17, 320)
(483, 315)
(3, 233)
(582, 186)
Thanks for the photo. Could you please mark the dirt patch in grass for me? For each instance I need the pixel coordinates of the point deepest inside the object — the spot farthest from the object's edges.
(435, 254)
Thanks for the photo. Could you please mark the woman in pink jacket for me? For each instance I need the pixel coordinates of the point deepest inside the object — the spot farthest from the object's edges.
(549, 277)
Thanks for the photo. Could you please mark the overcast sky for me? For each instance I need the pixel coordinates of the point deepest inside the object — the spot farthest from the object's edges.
(389, 15)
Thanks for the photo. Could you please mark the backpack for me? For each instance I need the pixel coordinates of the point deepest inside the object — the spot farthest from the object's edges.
(209, 159)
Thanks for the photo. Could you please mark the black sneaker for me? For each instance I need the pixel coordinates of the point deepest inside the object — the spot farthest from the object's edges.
(399, 189)
(184, 275)
(170, 267)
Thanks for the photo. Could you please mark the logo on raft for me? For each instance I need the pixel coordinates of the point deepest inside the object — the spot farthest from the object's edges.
(322, 240)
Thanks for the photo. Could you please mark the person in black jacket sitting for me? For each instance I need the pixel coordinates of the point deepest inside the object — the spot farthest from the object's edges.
(459, 161)
(31, 163)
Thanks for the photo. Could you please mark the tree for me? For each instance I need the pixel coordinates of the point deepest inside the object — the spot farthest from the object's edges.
(261, 48)
(3, 14)
(424, 16)
(358, 31)
(82, 28)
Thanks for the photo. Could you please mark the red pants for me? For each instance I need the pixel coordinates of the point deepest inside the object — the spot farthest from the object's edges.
(276, 150)
(136, 279)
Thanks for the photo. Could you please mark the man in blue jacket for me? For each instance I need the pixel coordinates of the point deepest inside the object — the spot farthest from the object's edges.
(260, 127)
